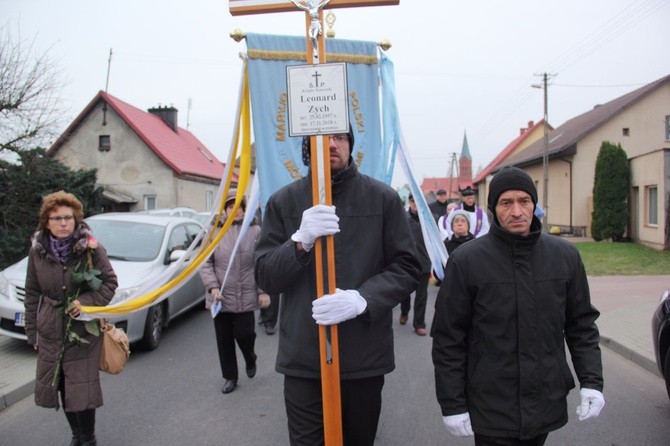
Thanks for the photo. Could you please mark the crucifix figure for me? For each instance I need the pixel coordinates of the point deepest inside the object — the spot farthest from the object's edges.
(312, 7)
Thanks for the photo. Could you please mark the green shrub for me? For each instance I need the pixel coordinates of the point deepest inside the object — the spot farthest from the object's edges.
(22, 187)
(611, 212)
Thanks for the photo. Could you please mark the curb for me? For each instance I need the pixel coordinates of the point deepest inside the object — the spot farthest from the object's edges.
(630, 354)
(17, 394)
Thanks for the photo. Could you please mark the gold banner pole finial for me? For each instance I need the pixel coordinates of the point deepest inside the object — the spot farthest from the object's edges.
(330, 20)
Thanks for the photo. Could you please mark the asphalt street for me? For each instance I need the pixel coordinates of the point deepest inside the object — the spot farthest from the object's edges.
(171, 396)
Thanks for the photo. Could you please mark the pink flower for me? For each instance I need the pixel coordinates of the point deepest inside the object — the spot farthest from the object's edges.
(92, 242)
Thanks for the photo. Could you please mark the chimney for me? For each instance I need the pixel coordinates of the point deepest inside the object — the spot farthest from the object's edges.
(167, 114)
(523, 130)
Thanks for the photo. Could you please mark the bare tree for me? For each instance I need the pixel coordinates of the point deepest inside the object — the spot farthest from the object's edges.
(29, 95)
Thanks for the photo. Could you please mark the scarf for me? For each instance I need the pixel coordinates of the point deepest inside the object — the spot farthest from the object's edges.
(61, 247)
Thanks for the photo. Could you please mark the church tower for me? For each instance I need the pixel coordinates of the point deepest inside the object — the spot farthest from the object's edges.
(465, 164)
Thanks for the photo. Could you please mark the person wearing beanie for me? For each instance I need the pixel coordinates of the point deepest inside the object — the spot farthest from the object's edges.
(515, 297)
(479, 220)
(377, 265)
(460, 228)
(234, 302)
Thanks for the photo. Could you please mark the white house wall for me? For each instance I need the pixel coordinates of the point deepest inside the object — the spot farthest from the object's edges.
(650, 170)
(130, 166)
(645, 123)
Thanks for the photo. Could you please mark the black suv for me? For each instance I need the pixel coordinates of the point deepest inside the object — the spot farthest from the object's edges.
(660, 333)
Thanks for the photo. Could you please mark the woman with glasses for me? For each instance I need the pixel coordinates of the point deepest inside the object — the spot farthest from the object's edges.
(67, 268)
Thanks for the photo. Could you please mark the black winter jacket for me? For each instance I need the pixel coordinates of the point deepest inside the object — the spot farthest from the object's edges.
(501, 324)
(415, 228)
(374, 254)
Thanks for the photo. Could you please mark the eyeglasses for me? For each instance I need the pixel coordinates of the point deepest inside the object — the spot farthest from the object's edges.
(66, 219)
(339, 138)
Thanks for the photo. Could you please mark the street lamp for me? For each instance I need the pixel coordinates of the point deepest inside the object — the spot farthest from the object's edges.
(545, 152)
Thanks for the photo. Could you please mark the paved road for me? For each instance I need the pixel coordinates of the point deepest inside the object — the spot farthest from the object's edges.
(172, 396)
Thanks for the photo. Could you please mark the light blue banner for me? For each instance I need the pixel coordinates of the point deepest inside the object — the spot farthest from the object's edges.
(394, 142)
(278, 156)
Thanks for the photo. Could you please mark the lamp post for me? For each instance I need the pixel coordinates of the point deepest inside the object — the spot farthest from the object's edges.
(545, 152)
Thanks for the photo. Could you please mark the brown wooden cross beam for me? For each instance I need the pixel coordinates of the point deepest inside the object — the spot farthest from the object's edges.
(245, 7)
(321, 193)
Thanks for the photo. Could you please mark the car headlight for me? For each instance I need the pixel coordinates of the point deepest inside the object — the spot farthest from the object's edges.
(122, 294)
(4, 285)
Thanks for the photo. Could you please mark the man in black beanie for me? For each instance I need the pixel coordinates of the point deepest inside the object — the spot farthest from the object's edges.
(512, 300)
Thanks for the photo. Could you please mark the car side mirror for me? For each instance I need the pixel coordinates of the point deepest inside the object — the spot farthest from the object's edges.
(176, 255)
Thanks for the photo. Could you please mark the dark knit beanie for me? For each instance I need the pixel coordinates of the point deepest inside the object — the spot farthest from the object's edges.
(510, 178)
(305, 146)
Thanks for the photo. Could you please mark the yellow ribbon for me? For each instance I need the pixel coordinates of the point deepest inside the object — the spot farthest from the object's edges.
(242, 139)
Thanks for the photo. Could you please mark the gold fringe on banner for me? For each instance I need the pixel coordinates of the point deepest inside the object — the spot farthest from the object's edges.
(301, 55)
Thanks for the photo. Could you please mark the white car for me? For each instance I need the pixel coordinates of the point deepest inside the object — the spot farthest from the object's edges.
(174, 212)
(140, 247)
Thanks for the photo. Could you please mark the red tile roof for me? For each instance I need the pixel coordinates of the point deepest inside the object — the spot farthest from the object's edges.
(451, 185)
(179, 149)
(481, 176)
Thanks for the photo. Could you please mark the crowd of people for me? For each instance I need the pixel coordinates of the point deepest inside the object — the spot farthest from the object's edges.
(512, 297)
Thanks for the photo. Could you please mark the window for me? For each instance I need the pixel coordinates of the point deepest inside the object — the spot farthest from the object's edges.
(179, 239)
(209, 200)
(652, 205)
(149, 202)
(625, 131)
(104, 143)
(667, 127)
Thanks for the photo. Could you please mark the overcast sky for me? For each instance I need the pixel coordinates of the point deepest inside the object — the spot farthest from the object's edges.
(461, 66)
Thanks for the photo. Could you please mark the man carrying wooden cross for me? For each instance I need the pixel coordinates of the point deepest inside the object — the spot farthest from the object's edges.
(376, 263)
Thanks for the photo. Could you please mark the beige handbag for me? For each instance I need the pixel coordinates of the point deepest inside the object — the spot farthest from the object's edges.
(115, 349)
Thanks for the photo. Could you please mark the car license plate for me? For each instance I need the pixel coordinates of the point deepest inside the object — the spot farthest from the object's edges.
(20, 319)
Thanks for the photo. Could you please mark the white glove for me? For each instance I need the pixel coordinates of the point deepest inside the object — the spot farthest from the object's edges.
(459, 425)
(316, 221)
(592, 403)
(340, 306)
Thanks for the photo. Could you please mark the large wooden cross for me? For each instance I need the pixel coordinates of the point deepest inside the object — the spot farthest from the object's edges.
(321, 193)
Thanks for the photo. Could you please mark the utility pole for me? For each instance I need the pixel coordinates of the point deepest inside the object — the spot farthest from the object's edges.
(545, 152)
(452, 168)
(188, 114)
(109, 67)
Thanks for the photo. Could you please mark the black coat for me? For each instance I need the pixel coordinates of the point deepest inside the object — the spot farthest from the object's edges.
(455, 241)
(501, 324)
(415, 227)
(374, 254)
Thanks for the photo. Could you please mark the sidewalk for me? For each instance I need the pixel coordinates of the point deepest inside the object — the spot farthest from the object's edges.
(626, 304)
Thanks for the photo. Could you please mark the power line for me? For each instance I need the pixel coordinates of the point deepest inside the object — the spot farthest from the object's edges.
(598, 86)
(604, 34)
(615, 25)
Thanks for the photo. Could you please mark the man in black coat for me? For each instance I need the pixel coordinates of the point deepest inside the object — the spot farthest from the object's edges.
(375, 266)
(513, 299)
(421, 292)
(439, 207)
